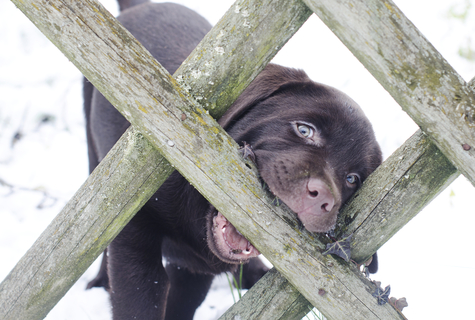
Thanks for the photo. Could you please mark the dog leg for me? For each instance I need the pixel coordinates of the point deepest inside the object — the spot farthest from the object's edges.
(138, 281)
(187, 291)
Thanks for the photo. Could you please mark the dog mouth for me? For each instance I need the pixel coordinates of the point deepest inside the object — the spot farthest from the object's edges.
(228, 243)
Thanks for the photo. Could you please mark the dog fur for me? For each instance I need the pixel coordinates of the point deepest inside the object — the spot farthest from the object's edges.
(312, 145)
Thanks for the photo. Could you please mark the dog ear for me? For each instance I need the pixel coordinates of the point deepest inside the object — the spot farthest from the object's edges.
(270, 80)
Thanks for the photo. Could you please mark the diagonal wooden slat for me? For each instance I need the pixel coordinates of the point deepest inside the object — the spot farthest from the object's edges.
(273, 297)
(402, 186)
(411, 70)
(246, 50)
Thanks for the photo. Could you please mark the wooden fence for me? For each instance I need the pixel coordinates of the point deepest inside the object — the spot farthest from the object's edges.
(175, 115)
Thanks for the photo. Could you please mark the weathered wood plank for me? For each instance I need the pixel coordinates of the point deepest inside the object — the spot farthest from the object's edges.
(411, 70)
(125, 180)
(154, 104)
(246, 40)
(398, 190)
(273, 297)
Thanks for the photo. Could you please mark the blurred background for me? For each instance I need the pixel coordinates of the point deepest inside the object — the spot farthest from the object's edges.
(43, 157)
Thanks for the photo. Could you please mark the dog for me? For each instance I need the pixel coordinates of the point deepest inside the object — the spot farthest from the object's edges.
(312, 145)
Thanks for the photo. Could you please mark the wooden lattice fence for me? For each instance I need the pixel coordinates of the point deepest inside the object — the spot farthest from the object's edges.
(175, 115)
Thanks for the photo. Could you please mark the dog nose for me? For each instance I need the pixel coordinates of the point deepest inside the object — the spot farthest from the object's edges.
(320, 195)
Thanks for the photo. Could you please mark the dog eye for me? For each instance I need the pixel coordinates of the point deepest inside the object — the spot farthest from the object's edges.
(308, 132)
(352, 179)
(305, 130)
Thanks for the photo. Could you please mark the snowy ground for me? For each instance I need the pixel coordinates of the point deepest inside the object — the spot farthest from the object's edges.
(43, 156)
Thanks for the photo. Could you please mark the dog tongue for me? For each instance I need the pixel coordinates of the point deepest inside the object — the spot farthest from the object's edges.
(233, 238)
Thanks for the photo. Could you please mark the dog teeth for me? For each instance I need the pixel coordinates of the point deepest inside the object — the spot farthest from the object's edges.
(247, 250)
(223, 230)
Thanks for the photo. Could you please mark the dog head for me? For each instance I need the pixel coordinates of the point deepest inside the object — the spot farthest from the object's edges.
(313, 145)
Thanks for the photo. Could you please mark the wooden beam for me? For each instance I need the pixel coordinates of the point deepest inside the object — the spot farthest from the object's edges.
(411, 70)
(273, 297)
(395, 193)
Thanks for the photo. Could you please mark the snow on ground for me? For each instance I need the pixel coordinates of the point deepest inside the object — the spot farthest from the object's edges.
(43, 156)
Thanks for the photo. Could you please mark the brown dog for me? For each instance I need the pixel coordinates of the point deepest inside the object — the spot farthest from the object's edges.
(313, 147)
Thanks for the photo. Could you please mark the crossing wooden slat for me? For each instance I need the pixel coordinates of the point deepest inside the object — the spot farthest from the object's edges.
(411, 70)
